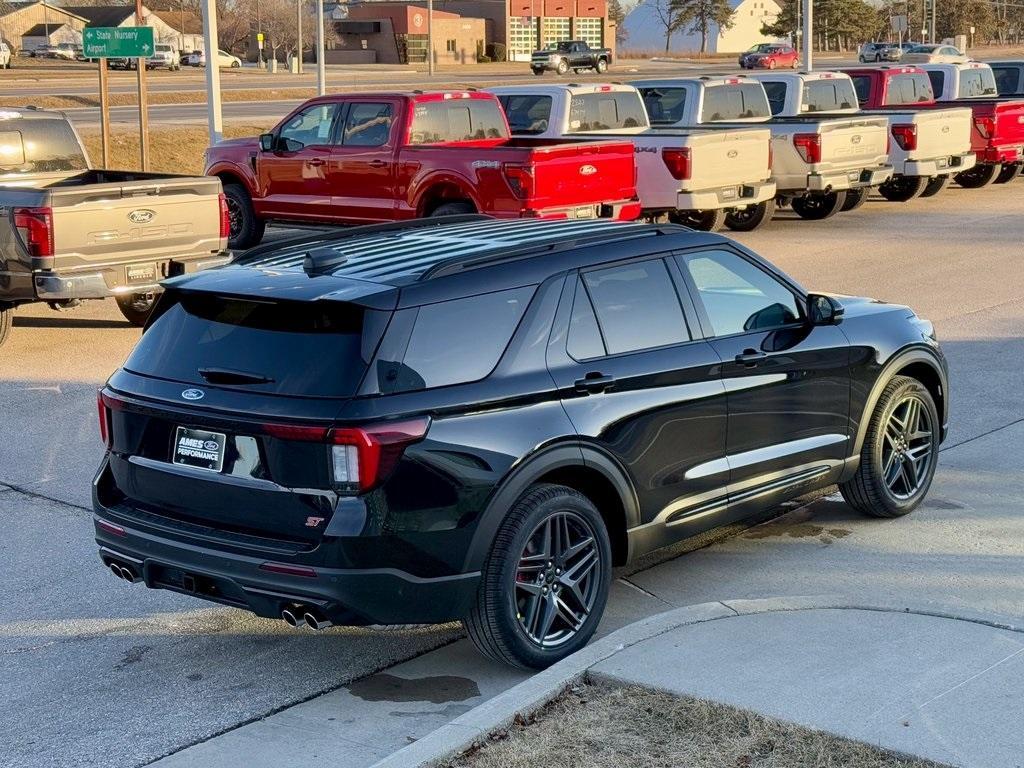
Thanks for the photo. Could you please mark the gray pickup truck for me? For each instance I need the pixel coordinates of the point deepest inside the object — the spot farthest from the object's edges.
(69, 232)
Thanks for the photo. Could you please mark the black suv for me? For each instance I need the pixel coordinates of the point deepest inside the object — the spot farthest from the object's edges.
(474, 419)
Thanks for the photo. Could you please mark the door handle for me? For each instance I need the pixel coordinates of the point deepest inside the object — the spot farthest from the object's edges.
(316, 162)
(378, 163)
(594, 382)
(750, 357)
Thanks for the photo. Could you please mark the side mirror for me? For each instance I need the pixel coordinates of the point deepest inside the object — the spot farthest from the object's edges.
(267, 142)
(823, 310)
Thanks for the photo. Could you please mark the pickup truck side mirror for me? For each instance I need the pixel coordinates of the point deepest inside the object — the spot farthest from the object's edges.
(267, 142)
(823, 310)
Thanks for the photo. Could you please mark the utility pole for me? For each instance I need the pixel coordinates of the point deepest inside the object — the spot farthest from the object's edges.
(808, 32)
(104, 114)
(298, 21)
(143, 106)
(321, 69)
(214, 118)
(430, 37)
(259, 40)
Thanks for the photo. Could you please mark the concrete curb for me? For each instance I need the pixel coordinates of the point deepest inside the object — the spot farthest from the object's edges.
(532, 694)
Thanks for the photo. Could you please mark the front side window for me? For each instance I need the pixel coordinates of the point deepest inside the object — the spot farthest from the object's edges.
(436, 122)
(604, 111)
(977, 82)
(367, 125)
(310, 127)
(738, 296)
(734, 102)
(528, 115)
(636, 306)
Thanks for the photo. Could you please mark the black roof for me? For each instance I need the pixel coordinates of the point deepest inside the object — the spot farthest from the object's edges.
(102, 15)
(43, 30)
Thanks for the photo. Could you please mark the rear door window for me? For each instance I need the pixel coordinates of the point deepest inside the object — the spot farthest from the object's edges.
(665, 106)
(368, 124)
(829, 95)
(862, 85)
(604, 111)
(734, 102)
(39, 146)
(310, 349)
(435, 122)
(528, 115)
(776, 96)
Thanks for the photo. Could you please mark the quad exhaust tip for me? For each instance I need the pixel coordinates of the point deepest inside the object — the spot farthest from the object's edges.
(299, 616)
(123, 572)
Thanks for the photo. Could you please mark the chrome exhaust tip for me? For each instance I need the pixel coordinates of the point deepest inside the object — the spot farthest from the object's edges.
(116, 570)
(316, 622)
(128, 574)
(292, 618)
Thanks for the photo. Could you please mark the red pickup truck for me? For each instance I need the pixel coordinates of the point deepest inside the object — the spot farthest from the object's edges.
(997, 138)
(363, 157)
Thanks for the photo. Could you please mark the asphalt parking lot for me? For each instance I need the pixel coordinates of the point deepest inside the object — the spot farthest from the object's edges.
(96, 672)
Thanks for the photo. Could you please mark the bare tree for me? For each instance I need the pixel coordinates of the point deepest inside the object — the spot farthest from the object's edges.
(668, 17)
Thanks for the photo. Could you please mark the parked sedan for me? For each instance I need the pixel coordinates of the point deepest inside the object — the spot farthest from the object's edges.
(934, 54)
(752, 51)
(224, 59)
(776, 57)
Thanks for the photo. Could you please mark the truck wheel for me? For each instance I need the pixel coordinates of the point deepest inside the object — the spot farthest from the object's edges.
(936, 185)
(246, 230)
(979, 176)
(563, 67)
(1009, 173)
(545, 582)
(900, 189)
(897, 461)
(6, 320)
(706, 221)
(537, 71)
(771, 63)
(818, 206)
(136, 307)
(752, 217)
(601, 66)
(855, 198)
(458, 208)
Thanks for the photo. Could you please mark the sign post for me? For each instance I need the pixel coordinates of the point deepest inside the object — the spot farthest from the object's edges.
(214, 116)
(120, 43)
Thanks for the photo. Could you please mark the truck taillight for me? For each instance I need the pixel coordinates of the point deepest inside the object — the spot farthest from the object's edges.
(36, 225)
(986, 126)
(809, 146)
(677, 161)
(225, 217)
(905, 135)
(520, 180)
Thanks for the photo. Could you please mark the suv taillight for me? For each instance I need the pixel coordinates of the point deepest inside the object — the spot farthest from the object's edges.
(225, 217)
(677, 161)
(520, 179)
(809, 147)
(906, 136)
(104, 415)
(36, 225)
(986, 126)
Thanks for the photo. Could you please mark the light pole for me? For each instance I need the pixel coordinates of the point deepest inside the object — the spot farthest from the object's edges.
(430, 37)
(259, 36)
(298, 21)
(321, 69)
(807, 35)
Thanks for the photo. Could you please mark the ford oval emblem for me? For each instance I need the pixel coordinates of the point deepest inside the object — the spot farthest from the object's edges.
(945, 129)
(588, 170)
(855, 139)
(141, 216)
(732, 153)
(193, 394)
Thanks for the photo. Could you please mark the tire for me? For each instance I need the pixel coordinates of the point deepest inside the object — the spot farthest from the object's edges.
(562, 67)
(878, 489)
(537, 72)
(137, 307)
(6, 321)
(1009, 173)
(458, 208)
(771, 63)
(979, 176)
(855, 198)
(796, 64)
(901, 189)
(878, 59)
(235, 65)
(503, 621)
(601, 66)
(819, 206)
(752, 217)
(706, 221)
(936, 185)
(246, 229)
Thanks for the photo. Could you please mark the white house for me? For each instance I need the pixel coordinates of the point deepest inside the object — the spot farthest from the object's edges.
(645, 31)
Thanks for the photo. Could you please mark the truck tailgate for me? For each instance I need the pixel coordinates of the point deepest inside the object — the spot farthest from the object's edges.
(1009, 117)
(854, 143)
(728, 158)
(582, 173)
(135, 220)
(940, 132)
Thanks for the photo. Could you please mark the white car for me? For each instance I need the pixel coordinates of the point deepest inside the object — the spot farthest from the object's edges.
(164, 55)
(934, 54)
(5, 56)
(224, 59)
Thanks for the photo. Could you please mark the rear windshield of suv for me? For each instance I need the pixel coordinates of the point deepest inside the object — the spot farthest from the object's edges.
(435, 122)
(614, 110)
(39, 145)
(734, 102)
(309, 349)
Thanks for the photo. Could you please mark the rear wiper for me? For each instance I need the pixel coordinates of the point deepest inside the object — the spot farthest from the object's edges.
(225, 376)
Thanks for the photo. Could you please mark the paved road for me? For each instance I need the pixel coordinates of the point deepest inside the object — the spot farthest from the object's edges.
(95, 672)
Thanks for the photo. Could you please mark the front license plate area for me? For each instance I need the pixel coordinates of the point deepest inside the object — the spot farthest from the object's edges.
(140, 273)
(199, 448)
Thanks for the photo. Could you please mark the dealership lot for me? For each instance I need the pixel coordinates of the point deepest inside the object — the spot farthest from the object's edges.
(99, 673)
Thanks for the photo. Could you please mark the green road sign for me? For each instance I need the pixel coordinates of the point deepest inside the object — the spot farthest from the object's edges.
(117, 42)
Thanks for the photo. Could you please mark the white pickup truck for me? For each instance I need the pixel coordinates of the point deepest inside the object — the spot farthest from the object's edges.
(815, 159)
(925, 143)
(704, 179)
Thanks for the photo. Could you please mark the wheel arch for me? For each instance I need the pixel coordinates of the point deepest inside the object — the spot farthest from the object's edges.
(578, 466)
(231, 174)
(439, 189)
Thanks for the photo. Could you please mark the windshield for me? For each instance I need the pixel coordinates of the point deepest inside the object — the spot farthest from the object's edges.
(39, 146)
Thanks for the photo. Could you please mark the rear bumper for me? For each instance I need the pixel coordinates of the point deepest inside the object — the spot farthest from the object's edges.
(1001, 154)
(624, 210)
(938, 166)
(114, 281)
(725, 197)
(853, 179)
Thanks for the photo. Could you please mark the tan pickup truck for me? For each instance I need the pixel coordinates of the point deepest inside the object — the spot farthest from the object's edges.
(69, 232)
